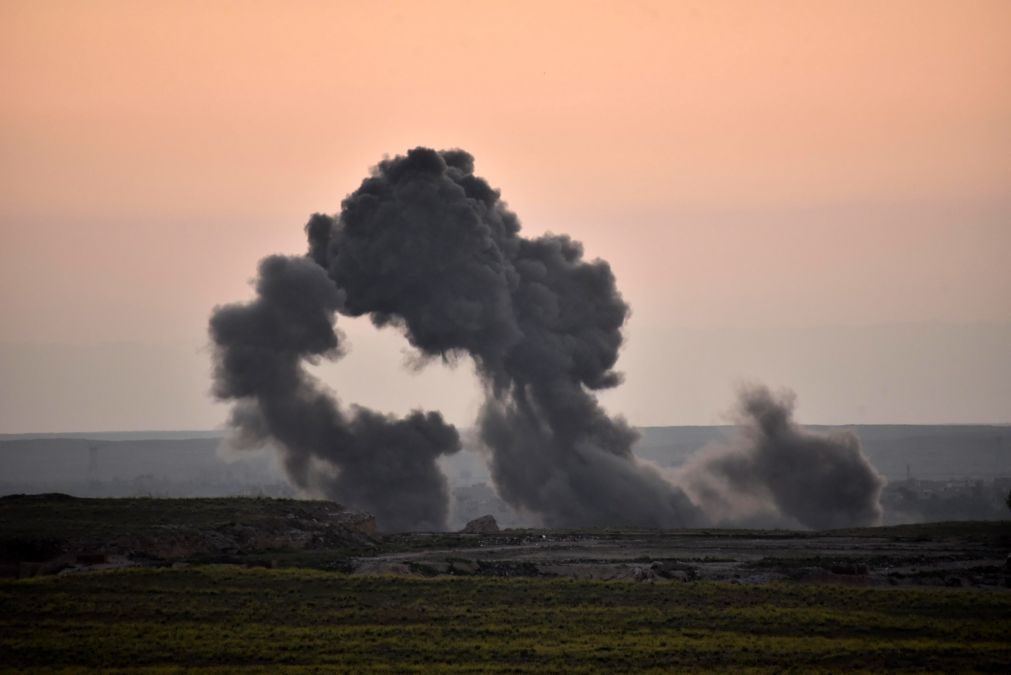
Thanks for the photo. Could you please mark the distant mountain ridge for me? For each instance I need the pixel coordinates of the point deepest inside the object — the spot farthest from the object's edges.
(935, 452)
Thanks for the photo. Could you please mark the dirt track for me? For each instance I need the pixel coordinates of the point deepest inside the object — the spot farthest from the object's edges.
(723, 556)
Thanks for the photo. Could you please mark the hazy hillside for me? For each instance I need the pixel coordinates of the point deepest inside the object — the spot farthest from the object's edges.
(929, 452)
(954, 468)
(132, 465)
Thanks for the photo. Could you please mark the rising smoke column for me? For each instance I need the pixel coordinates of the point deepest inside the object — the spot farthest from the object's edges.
(555, 451)
(821, 480)
(369, 461)
(427, 246)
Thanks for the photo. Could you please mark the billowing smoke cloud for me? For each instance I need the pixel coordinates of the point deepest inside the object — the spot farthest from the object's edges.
(427, 247)
(384, 465)
(820, 480)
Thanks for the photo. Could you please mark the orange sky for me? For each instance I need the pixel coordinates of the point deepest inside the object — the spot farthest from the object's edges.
(744, 166)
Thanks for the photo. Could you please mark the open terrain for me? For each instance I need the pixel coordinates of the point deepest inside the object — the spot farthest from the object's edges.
(942, 554)
(221, 617)
(306, 586)
(49, 534)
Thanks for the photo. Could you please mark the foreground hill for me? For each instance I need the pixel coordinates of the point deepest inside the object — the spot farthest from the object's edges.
(47, 534)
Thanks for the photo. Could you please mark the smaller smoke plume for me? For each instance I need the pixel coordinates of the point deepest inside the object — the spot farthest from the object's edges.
(773, 467)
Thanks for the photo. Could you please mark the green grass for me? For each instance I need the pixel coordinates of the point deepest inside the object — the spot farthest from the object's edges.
(222, 617)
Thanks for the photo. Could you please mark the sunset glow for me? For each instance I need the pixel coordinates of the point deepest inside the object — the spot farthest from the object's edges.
(814, 193)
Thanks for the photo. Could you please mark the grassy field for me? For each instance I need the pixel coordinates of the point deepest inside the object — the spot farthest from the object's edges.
(222, 617)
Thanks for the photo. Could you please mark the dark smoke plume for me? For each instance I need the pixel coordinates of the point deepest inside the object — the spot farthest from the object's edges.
(371, 461)
(821, 480)
(427, 247)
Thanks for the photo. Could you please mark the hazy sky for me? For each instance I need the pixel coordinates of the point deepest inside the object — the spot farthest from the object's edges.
(813, 194)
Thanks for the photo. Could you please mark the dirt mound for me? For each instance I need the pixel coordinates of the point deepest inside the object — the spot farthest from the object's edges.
(482, 525)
